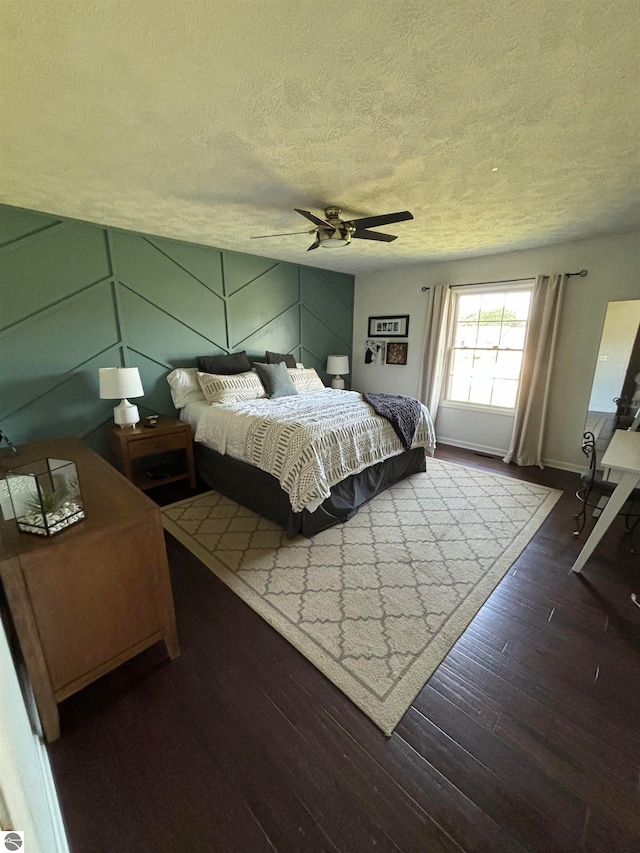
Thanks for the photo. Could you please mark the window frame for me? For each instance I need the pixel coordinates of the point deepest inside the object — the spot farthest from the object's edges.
(506, 286)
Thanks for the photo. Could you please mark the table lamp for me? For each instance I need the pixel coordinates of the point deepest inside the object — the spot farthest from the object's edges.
(337, 365)
(118, 383)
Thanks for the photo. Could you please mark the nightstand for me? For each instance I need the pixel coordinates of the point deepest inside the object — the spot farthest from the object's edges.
(127, 444)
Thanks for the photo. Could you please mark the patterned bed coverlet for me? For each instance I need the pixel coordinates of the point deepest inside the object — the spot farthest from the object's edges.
(309, 442)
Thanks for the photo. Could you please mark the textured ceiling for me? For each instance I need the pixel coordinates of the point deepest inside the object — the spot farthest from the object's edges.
(500, 124)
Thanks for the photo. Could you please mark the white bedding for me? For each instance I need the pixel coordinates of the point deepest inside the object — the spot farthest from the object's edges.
(190, 414)
(308, 441)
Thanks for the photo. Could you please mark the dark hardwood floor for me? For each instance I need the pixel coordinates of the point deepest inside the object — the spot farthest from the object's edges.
(526, 738)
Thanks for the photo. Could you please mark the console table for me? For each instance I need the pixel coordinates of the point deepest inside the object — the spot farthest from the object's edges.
(89, 598)
(622, 455)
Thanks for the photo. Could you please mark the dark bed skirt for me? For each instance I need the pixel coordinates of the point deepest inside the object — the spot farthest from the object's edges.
(262, 493)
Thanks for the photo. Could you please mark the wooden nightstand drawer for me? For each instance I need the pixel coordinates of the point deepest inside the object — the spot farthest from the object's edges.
(158, 444)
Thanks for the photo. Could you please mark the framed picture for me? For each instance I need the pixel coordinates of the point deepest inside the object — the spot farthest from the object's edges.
(375, 352)
(397, 352)
(389, 327)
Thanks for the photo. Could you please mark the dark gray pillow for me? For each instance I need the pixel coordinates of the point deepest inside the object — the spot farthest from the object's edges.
(275, 379)
(227, 365)
(277, 357)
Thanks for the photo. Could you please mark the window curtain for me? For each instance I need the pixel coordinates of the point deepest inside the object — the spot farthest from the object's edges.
(434, 348)
(531, 409)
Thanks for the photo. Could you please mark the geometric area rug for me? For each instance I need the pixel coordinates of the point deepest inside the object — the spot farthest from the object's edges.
(377, 602)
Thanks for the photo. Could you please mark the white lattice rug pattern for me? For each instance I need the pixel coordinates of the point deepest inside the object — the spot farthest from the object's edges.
(375, 603)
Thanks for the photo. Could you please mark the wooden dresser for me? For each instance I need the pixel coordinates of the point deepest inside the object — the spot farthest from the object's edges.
(89, 598)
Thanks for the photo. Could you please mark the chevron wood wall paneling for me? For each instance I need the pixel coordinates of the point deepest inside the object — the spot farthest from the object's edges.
(22, 224)
(318, 297)
(40, 269)
(75, 297)
(169, 286)
(253, 307)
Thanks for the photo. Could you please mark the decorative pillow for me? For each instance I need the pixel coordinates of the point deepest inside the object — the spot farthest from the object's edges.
(221, 388)
(184, 386)
(224, 365)
(305, 379)
(276, 380)
(276, 358)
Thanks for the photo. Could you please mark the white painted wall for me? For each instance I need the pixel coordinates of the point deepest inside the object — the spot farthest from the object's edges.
(28, 801)
(614, 274)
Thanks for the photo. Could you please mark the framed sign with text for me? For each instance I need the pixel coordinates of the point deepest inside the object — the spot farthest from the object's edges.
(389, 327)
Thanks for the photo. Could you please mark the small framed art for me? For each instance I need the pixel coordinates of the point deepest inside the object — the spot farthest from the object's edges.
(389, 327)
(375, 352)
(397, 352)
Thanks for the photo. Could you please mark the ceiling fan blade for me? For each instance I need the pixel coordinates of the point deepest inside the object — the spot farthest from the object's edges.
(316, 220)
(314, 245)
(286, 234)
(373, 235)
(384, 219)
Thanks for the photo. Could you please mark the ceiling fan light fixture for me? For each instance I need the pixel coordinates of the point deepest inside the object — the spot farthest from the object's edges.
(333, 232)
(334, 239)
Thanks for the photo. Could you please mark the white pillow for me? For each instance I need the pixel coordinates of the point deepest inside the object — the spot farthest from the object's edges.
(184, 385)
(219, 388)
(305, 379)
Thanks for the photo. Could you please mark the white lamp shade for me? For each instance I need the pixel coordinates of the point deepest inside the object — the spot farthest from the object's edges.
(117, 383)
(337, 365)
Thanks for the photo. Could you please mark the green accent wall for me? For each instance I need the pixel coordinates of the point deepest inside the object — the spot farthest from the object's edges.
(76, 296)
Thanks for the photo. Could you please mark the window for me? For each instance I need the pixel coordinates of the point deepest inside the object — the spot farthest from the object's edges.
(486, 346)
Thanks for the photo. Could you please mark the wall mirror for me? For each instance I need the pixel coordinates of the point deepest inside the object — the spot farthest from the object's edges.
(617, 373)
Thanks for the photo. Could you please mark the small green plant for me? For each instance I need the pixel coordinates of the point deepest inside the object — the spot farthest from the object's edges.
(73, 487)
(49, 500)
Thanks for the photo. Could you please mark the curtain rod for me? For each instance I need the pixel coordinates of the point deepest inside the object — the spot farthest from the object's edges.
(582, 274)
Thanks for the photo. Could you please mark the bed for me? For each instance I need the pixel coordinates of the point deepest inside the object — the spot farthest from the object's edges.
(306, 460)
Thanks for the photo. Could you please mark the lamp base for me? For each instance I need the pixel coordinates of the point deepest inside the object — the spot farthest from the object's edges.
(338, 382)
(125, 414)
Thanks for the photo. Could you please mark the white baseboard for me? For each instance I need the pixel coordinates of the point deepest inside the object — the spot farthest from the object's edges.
(499, 452)
(56, 824)
(55, 815)
(566, 466)
(467, 445)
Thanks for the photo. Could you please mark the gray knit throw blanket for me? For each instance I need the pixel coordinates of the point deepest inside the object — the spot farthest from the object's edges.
(403, 413)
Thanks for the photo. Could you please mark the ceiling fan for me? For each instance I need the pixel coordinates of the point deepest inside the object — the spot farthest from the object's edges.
(332, 231)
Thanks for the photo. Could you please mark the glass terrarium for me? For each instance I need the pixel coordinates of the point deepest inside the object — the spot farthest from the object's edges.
(46, 496)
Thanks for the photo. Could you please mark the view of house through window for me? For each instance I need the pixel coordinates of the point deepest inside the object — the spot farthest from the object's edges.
(486, 347)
